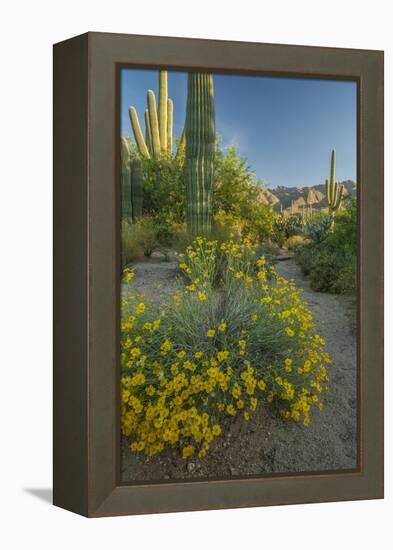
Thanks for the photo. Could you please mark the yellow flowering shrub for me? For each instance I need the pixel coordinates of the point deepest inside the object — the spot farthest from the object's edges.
(208, 353)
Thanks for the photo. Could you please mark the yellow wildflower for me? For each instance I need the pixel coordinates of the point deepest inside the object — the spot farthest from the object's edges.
(188, 451)
(216, 430)
(222, 355)
(140, 308)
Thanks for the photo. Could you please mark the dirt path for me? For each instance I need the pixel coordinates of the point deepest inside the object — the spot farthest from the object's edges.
(267, 443)
(155, 277)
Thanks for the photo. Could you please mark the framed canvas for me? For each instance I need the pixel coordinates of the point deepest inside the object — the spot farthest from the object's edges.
(218, 274)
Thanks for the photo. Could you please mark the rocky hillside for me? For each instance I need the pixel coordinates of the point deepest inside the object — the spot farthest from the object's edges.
(298, 197)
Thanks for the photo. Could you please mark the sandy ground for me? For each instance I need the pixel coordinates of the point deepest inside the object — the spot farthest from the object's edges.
(267, 444)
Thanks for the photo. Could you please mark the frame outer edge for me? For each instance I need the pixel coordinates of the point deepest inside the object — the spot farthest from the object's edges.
(70, 267)
(105, 496)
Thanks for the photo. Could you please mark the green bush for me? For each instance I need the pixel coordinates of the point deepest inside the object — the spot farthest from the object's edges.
(317, 230)
(331, 262)
(285, 226)
(295, 241)
(131, 248)
(138, 239)
(238, 195)
(164, 189)
(195, 361)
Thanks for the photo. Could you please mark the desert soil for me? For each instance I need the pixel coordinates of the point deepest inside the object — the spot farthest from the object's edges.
(268, 444)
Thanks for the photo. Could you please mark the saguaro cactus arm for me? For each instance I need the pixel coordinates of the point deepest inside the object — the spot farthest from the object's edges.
(148, 130)
(158, 140)
(333, 167)
(163, 110)
(136, 128)
(153, 118)
(170, 126)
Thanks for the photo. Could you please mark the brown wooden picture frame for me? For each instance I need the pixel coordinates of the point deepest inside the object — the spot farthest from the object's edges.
(86, 274)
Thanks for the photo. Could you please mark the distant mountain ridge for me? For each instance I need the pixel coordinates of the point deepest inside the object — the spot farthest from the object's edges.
(283, 198)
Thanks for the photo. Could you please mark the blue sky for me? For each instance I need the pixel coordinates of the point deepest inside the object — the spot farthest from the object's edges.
(284, 127)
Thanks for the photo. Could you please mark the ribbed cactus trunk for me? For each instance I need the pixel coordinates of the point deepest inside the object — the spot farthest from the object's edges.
(136, 188)
(200, 137)
(126, 204)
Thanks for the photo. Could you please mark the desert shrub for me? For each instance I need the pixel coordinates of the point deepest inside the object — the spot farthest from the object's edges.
(138, 239)
(148, 232)
(226, 226)
(238, 196)
(205, 356)
(164, 190)
(258, 221)
(333, 271)
(331, 262)
(317, 230)
(131, 248)
(181, 238)
(294, 241)
(284, 227)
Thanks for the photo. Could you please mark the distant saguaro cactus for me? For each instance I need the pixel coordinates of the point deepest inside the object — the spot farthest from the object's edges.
(307, 214)
(200, 135)
(334, 191)
(126, 204)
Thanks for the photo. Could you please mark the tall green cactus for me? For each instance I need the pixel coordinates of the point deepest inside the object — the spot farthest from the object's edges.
(136, 187)
(163, 110)
(158, 140)
(126, 203)
(200, 138)
(334, 191)
(170, 127)
(148, 141)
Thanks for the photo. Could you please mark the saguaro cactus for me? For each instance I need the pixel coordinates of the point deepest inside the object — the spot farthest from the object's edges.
(158, 139)
(126, 204)
(334, 191)
(170, 126)
(136, 187)
(307, 214)
(200, 137)
(136, 128)
(163, 109)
